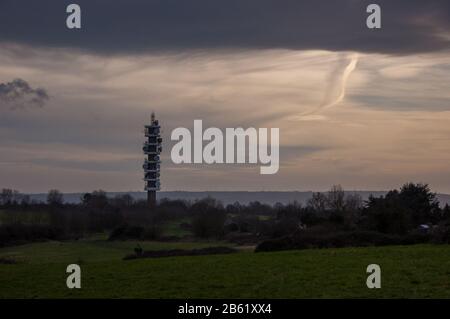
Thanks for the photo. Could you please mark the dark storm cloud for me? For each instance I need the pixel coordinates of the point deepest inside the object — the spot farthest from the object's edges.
(19, 94)
(131, 26)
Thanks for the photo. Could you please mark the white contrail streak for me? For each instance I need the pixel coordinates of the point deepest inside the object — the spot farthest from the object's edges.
(348, 70)
(343, 84)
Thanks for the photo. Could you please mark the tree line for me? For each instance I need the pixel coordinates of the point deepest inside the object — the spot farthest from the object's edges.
(413, 208)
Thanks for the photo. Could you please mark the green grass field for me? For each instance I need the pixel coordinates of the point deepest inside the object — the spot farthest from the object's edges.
(421, 271)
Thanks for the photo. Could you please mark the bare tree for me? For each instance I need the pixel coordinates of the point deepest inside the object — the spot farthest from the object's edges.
(9, 196)
(55, 197)
(318, 202)
(353, 202)
(336, 198)
(6, 196)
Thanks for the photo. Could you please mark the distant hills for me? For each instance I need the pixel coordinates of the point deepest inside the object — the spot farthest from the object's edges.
(269, 197)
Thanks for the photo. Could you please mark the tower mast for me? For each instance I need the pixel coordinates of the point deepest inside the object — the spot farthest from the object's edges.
(152, 149)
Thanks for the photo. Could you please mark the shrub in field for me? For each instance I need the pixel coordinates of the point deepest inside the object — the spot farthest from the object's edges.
(152, 232)
(135, 232)
(20, 233)
(283, 243)
(311, 239)
(181, 252)
(126, 232)
(441, 235)
(208, 218)
(7, 261)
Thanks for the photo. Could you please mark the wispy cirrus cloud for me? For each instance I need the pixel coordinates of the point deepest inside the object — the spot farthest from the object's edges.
(91, 133)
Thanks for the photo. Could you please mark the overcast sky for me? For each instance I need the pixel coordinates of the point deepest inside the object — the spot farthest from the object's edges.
(368, 109)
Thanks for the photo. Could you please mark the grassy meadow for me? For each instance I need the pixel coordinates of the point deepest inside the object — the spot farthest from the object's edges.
(420, 271)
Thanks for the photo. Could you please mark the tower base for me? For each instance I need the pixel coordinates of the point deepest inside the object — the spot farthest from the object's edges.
(151, 198)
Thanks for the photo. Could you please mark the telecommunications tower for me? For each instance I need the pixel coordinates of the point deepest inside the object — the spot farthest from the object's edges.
(152, 148)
